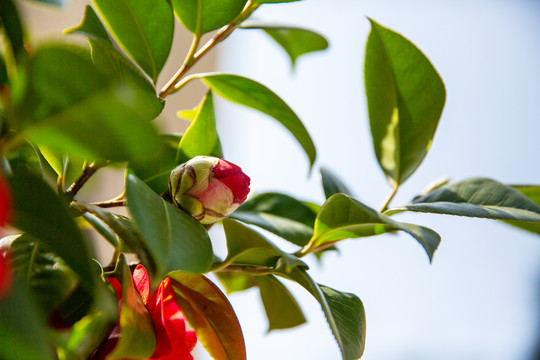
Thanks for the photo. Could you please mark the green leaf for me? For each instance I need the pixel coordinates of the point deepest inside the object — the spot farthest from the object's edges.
(236, 281)
(476, 197)
(143, 29)
(342, 217)
(281, 308)
(273, 1)
(210, 314)
(213, 14)
(247, 247)
(25, 158)
(250, 93)
(69, 167)
(174, 239)
(405, 98)
(533, 193)
(21, 329)
(155, 171)
(295, 41)
(137, 340)
(344, 312)
(332, 184)
(11, 24)
(46, 276)
(280, 214)
(201, 137)
(111, 62)
(68, 99)
(38, 211)
(51, 2)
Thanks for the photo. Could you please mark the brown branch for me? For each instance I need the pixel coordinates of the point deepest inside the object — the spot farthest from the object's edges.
(87, 173)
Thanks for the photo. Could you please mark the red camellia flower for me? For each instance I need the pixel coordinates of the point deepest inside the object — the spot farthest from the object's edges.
(173, 341)
(209, 188)
(5, 211)
(5, 275)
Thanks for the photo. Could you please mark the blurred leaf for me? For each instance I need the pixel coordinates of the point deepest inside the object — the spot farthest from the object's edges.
(476, 197)
(273, 1)
(405, 97)
(295, 41)
(12, 26)
(174, 239)
(188, 114)
(143, 29)
(21, 329)
(281, 308)
(155, 171)
(533, 193)
(38, 211)
(69, 167)
(213, 14)
(201, 137)
(102, 229)
(137, 339)
(250, 93)
(280, 214)
(247, 247)
(25, 158)
(46, 276)
(235, 281)
(52, 2)
(332, 184)
(111, 62)
(210, 314)
(342, 217)
(68, 100)
(344, 312)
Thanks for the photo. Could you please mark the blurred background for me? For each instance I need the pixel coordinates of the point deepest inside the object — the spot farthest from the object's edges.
(480, 297)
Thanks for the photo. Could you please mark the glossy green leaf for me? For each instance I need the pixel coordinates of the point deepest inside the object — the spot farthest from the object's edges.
(21, 329)
(235, 281)
(342, 217)
(89, 332)
(247, 247)
(332, 184)
(137, 339)
(280, 214)
(39, 212)
(111, 62)
(282, 310)
(201, 137)
(344, 312)
(250, 93)
(210, 314)
(174, 239)
(46, 276)
(405, 98)
(68, 99)
(295, 41)
(143, 29)
(156, 170)
(213, 14)
(533, 193)
(476, 197)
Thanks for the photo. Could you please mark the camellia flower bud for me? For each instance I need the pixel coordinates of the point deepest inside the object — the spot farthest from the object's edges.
(209, 188)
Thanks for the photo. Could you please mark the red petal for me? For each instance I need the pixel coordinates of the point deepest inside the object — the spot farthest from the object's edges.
(141, 280)
(5, 202)
(232, 176)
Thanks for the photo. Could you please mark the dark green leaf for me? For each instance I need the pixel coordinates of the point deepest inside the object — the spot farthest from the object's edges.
(344, 312)
(137, 339)
(533, 193)
(111, 62)
(68, 100)
(295, 41)
(476, 197)
(143, 29)
(25, 158)
(156, 170)
(174, 239)
(211, 315)
(405, 97)
(247, 247)
(212, 14)
(21, 330)
(235, 281)
(45, 275)
(281, 308)
(201, 137)
(280, 214)
(250, 93)
(11, 24)
(39, 212)
(342, 217)
(332, 184)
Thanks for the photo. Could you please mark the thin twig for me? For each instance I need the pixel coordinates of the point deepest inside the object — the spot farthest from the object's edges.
(83, 178)
(390, 197)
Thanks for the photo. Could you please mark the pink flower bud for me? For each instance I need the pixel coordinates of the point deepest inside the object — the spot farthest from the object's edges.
(209, 188)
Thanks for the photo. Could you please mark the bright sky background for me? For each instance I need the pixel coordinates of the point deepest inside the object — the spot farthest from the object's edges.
(479, 299)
